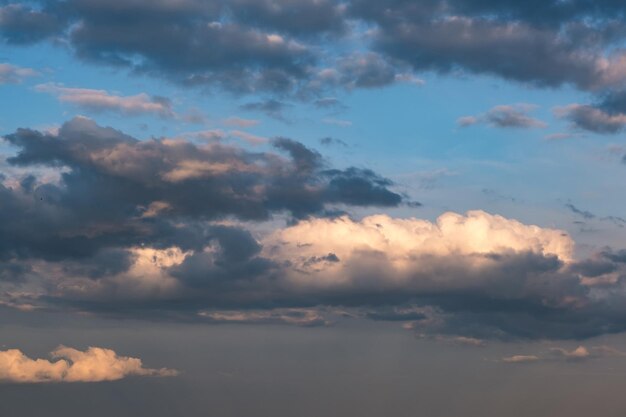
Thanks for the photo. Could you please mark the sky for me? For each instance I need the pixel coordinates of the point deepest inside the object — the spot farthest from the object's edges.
(312, 207)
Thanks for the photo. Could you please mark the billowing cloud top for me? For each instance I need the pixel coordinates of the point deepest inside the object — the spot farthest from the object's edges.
(103, 222)
(71, 365)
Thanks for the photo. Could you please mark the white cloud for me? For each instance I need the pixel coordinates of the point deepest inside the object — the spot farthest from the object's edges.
(393, 251)
(71, 365)
(102, 100)
(520, 359)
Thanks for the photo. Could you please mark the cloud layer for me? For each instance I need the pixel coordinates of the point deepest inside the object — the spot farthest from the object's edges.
(254, 46)
(96, 220)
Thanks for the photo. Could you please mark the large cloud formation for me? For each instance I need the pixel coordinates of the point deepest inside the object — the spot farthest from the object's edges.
(92, 219)
(71, 365)
(276, 45)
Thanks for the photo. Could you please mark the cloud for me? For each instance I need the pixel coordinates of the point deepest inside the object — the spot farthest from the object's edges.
(608, 116)
(299, 17)
(501, 39)
(578, 354)
(92, 365)
(329, 103)
(248, 137)
(272, 108)
(362, 70)
(292, 316)
(328, 141)
(101, 100)
(337, 122)
(12, 74)
(288, 47)
(587, 215)
(189, 42)
(520, 359)
(107, 179)
(240, 122)
(166, 227)
(505, 116)
(560, 136)
(592, 119)
(20, 24)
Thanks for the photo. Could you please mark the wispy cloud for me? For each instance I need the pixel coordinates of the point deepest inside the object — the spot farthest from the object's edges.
(102, 100)
(505, 116)
(12, 74)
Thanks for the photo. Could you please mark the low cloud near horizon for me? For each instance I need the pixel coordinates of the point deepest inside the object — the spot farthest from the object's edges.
(95, 364)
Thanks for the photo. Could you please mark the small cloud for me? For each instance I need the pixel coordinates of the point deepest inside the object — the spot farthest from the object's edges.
(101, 100)
(461, 340)
(71, 365)
(272, 108)
(592, 118)
(467, 121)
(12, 74)
(560, 136)
(329, 103)
(520, 359)
(409, 79)
(514, 116)
(328, 141)
(337, 122)
(580, 353)
(292, 316)
(248, 137)
(240, 122)
(194, 116)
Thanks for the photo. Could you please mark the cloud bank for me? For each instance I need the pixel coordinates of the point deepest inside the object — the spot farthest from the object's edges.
(95, 220)
(248, 46)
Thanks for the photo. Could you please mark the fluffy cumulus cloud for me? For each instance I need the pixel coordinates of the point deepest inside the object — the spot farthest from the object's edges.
(71, 365)
(282, 46)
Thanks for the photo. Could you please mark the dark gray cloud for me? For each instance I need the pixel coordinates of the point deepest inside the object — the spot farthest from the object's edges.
(271, 107)
(299, 17)
(115, 189)
(190, 41)
(286, 46)
(606, 116)
(328, 141)
(587, 215)
(502, 39)
(21, 24)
